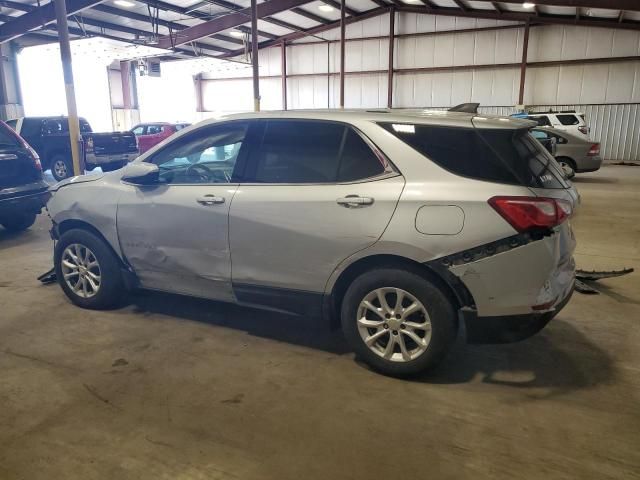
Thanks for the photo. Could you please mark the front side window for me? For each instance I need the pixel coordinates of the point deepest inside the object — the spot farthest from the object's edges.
(207, 155)
(309, 151)
(139, 130)
(568, 119)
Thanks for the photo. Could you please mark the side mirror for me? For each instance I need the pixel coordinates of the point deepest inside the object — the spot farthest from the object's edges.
(141, 173)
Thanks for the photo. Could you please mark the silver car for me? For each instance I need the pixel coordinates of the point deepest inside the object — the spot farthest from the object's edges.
(399, 226)
(578, 153)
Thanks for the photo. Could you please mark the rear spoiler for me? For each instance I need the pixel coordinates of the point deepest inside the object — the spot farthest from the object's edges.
(465, 107)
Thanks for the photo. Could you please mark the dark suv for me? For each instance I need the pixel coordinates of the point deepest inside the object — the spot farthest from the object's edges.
(23, 192)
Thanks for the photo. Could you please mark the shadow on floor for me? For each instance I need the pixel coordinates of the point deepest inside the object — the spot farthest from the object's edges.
(305, 331)
(560, 357)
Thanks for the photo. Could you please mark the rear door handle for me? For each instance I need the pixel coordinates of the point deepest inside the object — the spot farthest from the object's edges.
(354, 201)
(210, 200)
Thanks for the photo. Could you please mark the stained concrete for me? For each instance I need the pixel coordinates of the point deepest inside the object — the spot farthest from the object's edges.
(177, 388)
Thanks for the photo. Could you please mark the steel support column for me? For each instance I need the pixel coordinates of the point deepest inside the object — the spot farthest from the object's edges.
(343, 26)
(392, 40)
(67, 71)
(283, 67)
(254, 56)
(523, 64)
(197, 80)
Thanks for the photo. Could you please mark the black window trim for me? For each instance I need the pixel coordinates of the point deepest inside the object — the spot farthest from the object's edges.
(240, 160)
(390, 169)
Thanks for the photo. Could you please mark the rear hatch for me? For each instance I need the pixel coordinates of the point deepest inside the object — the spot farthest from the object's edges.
(17, 164)
(530, 163)
(112, 143)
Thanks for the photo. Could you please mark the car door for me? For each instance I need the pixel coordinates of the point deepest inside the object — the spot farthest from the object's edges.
(313, 193)
(174, 233)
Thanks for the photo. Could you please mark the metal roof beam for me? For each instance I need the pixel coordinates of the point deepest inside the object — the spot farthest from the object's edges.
(225, 22)
(520, 16)
(606, 4)
(39, 17)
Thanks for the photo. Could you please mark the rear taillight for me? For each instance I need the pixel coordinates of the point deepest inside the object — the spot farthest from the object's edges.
(594, 150)
(531, 213)
(33, 153)
(583, 129)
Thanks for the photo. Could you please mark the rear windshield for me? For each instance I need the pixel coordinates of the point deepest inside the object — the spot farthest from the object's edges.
(8, 138)
(494, 155)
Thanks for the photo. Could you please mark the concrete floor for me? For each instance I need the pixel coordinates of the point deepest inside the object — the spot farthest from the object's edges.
(176, 388)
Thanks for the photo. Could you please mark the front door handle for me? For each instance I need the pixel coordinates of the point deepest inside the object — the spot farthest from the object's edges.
(354, 201)
(210, 200)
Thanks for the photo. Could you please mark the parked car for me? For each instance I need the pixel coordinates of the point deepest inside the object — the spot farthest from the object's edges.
(151, 134)
(567, 121)
(576, 153)
(49, 136)
(23, 191)
(396, 224)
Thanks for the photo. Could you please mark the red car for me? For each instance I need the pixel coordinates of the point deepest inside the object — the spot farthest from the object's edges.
(150, 134)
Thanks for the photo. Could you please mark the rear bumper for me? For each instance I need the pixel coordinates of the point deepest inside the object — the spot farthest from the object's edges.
(589, 164)
(24, 201)
(510, 328)
(119, 158)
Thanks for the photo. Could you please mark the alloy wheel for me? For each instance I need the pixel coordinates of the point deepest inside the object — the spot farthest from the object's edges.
(394, 324)
(81, 270)
(60, 169)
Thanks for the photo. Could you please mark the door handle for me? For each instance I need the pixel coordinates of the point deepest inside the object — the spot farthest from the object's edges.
(8, 156)
(354, 201)
(210, 200)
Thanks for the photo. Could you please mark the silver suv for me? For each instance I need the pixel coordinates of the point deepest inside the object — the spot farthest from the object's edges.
(401, 226)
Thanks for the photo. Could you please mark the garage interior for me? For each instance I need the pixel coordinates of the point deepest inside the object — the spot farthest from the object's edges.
(177, 387)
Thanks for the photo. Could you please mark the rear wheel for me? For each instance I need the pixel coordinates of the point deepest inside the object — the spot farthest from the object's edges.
(19, 222)
(88, 271)
(568, 165)
(61, 167)
(397, 321)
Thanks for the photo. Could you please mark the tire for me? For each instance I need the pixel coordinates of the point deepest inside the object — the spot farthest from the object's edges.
(570, 163)
(437, 339)
(20, 222)
(61, 167)
(89, 248)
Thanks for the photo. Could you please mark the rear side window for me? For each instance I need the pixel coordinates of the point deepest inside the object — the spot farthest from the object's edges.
(294, 151)
(568, 119)
(501, 155)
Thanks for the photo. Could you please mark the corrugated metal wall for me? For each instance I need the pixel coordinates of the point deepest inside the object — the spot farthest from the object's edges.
(608, 93)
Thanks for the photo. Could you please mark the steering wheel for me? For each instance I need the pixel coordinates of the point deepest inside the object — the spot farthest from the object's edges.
(207, 174)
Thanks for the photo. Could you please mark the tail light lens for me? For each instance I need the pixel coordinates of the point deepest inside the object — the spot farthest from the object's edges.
(530, 213)
(583, 129)
(594, 150)
(33, 153)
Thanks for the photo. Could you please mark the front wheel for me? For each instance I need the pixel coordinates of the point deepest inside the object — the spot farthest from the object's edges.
(397, 321)
(88, 271)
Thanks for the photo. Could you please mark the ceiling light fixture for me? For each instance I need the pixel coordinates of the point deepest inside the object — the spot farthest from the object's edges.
(236, 33)
(124, 3)
(528, 5)
(325, 8)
